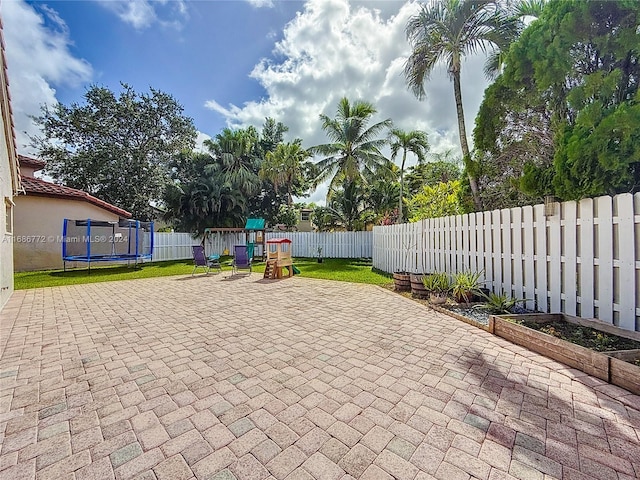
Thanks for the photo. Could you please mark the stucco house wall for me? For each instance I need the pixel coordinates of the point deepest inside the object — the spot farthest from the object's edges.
(38, 229)
(9, 181)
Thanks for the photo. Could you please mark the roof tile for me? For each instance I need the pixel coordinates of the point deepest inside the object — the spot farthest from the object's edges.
(37, 186)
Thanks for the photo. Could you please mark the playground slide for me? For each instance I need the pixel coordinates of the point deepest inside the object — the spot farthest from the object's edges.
(296, 270)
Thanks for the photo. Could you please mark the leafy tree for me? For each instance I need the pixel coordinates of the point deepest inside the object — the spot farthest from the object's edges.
(354, 154)
(288, 216)
(430, 174)
(415, 142)
(237, 156)
(446, 31)
(223, 187)
(440, 200)
(574, 76)
(198, 197)
(287, 166)
(324, 219)
(348, 204)
(115, 147)
(382, 199)
(272, 134)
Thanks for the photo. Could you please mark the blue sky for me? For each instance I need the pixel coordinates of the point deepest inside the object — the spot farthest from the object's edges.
(231, 63)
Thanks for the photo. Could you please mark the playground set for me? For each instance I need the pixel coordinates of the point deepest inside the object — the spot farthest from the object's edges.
(252, 235)
(279, 258)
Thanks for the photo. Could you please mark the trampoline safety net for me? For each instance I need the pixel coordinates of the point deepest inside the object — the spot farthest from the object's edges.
(98, 240)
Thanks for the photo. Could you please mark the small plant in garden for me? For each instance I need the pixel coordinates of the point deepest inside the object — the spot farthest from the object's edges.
(438, 285)
(466, 285)
(499, 304)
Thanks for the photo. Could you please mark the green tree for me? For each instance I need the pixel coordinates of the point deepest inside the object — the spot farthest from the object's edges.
(430, 174)
(382, 200)
(447, 31)
(199, 197)
(237, 156)
(287, 166)
(115, 147)
(573, 76)
(354, 152)
(348, 204)
(414, 142)
(440, 200)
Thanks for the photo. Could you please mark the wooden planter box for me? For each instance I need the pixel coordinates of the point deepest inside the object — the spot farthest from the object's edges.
(610, 366)
(462, 318)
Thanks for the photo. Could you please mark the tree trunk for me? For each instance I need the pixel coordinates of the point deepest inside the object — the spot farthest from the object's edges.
(473, 182)
(404, 158)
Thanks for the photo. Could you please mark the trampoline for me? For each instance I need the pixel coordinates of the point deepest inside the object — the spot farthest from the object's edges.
(91, 241)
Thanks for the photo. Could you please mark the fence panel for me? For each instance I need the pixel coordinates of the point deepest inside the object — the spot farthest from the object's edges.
(333, 244)
(172, 246)
(582, 260)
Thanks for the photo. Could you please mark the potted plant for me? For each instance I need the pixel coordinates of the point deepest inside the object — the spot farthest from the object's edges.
(466, 286)
(438, 285)
(319, 254)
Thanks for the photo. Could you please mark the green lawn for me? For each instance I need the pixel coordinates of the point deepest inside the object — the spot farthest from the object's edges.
(347, 270)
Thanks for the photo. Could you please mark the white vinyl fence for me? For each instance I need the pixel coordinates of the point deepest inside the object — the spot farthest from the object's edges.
(172, 246)
(333, 244)
(584, 260)
(177, 246)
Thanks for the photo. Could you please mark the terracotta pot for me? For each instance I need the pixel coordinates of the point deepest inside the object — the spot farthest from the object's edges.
(437, 298)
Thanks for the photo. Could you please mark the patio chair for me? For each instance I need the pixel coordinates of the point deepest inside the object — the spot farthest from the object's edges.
(241, 259)
(200, 260)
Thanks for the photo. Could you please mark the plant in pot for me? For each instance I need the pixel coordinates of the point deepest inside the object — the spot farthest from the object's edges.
(438, 285)
(467, 286)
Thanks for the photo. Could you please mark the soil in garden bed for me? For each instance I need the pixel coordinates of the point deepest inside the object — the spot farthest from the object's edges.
(584, 336)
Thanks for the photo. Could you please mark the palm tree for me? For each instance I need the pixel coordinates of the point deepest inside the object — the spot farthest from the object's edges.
(446, 31)
(236, 152)
(354, 153)
(415, 142)
(285, 166)
(347, 204)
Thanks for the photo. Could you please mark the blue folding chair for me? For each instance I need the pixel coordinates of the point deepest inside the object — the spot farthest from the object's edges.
(241, 259)
(200, 260)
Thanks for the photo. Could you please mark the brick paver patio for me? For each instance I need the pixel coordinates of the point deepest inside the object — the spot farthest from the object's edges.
(221, 379)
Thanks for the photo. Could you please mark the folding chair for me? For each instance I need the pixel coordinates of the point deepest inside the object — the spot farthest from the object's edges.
(200, 260)
(241, 259)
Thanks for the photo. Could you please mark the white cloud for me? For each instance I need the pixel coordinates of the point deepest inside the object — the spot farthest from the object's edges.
(38, 58)
(261, 3)
(200, 139)
(333, 49)
(141, 14)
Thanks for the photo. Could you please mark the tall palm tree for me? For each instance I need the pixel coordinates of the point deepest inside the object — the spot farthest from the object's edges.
(285, 166)
(415, 142)
(236, 153)
(446, 31)
(354, 152)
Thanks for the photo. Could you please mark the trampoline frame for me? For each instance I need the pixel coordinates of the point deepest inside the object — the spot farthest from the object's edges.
(134, 227)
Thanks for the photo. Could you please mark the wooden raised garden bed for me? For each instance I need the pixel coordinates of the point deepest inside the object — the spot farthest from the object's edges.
(613, 366)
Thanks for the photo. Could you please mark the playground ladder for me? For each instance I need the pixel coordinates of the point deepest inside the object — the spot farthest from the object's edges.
(270, 269)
